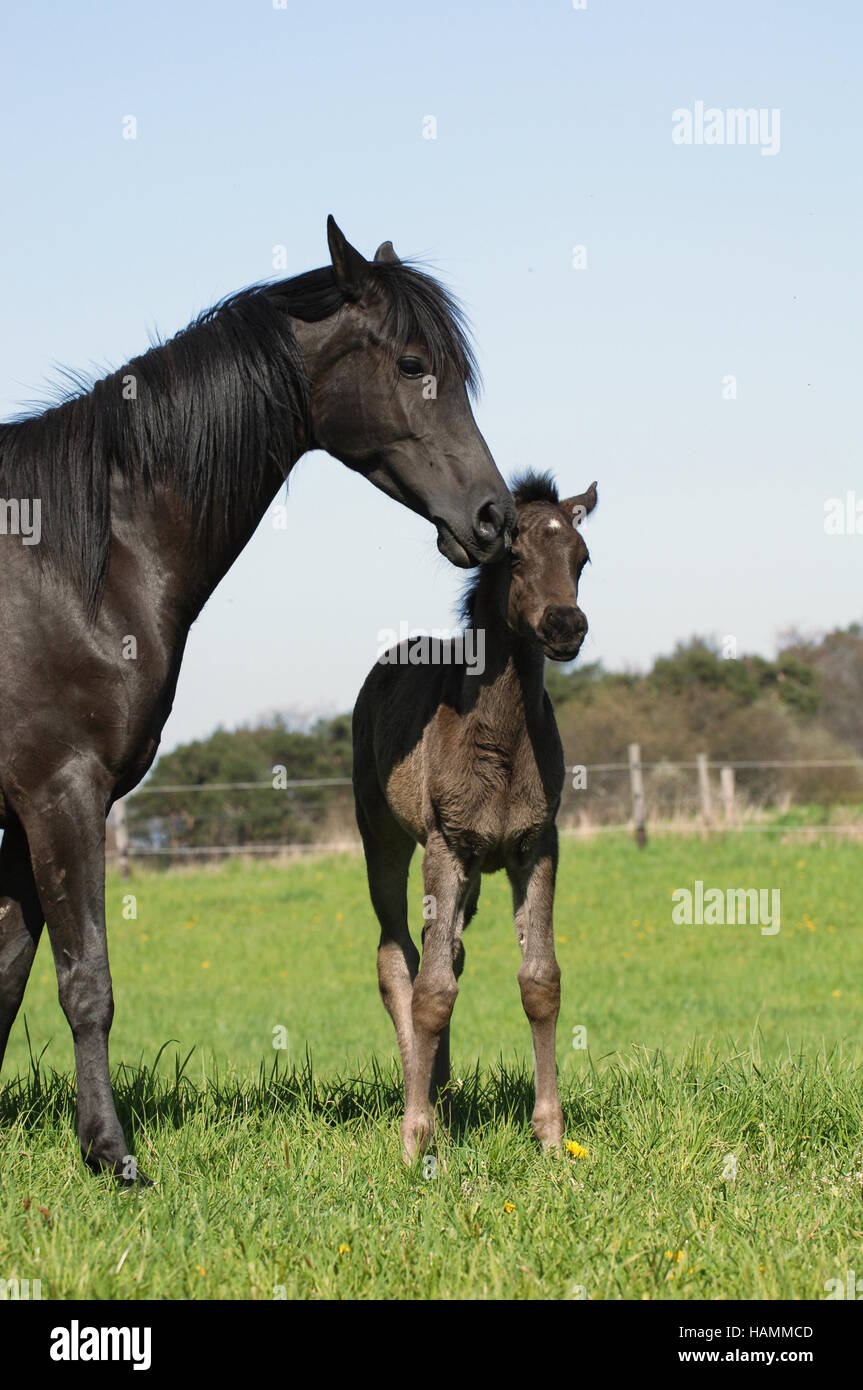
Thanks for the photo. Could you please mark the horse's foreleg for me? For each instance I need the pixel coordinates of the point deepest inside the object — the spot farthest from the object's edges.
(539, 981)
(66, 834)
(388, 853)
(435, 987)
(21, 922)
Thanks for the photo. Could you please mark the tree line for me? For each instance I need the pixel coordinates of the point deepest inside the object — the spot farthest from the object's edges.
(804, 706)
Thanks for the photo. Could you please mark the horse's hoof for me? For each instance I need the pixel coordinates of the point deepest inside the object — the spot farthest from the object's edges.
(124, 1168)
(140, 1180)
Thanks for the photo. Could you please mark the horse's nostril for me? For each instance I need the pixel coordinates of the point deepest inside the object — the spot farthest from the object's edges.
(489, 521)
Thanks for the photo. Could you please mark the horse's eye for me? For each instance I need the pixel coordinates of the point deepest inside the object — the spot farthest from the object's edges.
(411, 366)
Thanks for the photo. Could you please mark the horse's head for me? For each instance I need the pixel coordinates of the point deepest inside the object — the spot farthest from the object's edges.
(390, 375)
(547, 558)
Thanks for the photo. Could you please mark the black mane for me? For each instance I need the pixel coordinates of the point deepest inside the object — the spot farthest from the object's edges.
(217, 407)
(529, 486)
(534, 487)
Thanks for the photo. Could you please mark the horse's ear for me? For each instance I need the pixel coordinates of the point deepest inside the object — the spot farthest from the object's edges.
(385, 252)
(582, 505)
(349, 265)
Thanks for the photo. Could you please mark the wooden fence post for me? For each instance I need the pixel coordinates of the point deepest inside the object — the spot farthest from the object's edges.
(704, 793)
(726, 784)
(637, 783)
(121, 836)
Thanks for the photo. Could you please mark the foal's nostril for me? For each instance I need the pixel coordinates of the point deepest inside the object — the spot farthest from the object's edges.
(561, 622)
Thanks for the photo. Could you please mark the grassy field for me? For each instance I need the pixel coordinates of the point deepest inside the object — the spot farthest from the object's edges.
(719, 1098)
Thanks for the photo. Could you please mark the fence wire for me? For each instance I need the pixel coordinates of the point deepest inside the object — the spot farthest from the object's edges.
(309, 815)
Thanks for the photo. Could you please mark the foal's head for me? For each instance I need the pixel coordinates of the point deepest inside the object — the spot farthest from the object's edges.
(545, 565)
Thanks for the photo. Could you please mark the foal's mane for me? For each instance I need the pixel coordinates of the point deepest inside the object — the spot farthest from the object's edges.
(218, 408)
(529, 486)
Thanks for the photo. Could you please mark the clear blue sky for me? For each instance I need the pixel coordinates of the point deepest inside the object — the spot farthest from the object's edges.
(554, 129)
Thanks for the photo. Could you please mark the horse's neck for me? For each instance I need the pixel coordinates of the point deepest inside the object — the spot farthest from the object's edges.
(164, 559)
(194, 559)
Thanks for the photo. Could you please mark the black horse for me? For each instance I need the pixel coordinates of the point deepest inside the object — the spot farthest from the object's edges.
(146, 488)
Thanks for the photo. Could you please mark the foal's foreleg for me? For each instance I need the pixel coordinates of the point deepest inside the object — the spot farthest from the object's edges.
(435, 988)
(441, 1069)
(539, 981)
(21, 922)
(66, 834)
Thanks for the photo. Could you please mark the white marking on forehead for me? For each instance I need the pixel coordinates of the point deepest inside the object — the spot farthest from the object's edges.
(554, 525)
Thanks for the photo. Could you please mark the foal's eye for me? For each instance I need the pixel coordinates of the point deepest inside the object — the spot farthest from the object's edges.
(411, 366)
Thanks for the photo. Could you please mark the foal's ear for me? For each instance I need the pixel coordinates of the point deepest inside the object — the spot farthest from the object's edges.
(385, 252)
(582, 505)
(349, 264)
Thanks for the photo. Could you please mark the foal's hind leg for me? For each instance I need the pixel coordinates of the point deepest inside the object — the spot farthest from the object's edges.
(539, 981)
(21, 922)
(388, 851)
(66, 833)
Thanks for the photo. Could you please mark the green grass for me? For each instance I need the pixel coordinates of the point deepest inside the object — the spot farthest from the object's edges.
(703, 1042)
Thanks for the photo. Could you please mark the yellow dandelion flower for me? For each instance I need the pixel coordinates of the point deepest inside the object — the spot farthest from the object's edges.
(202, 1271)
(509, 1207)
(837, 994)
(576, 1149)
(344, 1249)
(205, 965)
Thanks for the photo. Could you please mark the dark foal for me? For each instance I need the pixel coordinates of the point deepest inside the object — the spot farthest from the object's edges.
(470, 765)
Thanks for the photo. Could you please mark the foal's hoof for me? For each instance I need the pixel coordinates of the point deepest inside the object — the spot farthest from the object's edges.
(548, 1128)
(417, 1133)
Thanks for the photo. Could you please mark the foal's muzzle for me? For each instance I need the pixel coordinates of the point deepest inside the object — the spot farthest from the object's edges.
(562, 630)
